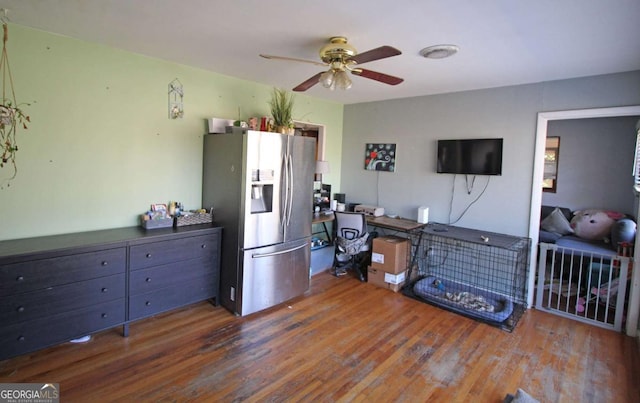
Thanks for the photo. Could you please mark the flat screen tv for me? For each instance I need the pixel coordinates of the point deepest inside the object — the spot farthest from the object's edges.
(470, 156)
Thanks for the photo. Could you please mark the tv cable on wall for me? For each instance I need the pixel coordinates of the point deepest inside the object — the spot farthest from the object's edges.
(469, 190)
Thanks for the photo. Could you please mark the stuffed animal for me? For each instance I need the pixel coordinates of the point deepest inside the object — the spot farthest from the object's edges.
(623, 231)
(594, 224)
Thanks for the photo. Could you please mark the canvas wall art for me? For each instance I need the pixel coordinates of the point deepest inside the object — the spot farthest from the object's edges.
(380, 157)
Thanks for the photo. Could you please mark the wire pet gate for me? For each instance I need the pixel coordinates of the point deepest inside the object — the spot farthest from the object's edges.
(477, 274)
(583, 286)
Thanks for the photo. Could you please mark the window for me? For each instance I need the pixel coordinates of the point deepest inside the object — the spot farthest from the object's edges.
(551, 153)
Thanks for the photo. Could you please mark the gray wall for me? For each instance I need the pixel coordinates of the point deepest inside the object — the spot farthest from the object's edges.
(595, 164)
(415, 124)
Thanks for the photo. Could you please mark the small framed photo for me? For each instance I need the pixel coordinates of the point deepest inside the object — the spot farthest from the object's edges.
(160, 207)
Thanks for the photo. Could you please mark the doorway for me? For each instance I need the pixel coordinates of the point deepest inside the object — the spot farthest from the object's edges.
(316, 131)
(536, 193)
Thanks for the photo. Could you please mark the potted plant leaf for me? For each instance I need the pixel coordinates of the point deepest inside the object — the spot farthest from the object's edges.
(281, 110)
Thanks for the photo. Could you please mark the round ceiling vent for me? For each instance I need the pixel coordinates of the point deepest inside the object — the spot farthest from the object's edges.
(439, 51)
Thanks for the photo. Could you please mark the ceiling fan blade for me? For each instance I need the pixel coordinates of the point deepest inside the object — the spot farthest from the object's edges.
(374, 75)
(309, 83)
(375, 54)
(292, 59)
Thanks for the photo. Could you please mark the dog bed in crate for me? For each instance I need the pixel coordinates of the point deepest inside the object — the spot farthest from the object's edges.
(464, 298)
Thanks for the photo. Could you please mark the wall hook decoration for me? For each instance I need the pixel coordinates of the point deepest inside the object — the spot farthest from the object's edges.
(176, 95)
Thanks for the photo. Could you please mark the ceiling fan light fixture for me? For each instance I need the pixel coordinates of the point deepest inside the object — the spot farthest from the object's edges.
(333, 78)
(439, 51)
(342, 80)
(327, 79)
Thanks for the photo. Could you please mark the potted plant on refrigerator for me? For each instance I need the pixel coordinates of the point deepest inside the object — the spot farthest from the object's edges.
(281, 110)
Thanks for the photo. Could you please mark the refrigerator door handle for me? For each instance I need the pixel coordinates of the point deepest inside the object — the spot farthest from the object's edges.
(280, 252)
(290, 189)
(284, 196)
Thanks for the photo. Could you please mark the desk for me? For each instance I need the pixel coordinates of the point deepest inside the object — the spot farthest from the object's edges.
(395, 224)
(320, 218)
(412, 229)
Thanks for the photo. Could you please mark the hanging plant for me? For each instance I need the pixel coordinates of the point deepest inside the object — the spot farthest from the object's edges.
(12, 117)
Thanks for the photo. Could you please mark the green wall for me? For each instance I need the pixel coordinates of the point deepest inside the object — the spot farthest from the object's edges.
(100, 147)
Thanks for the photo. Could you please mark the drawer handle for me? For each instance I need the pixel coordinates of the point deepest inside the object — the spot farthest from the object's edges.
(148, 279)
(203, 246)
(105, 289)
(148, 255)
(104, 263)
(20, 278)
(104, 315)
(20, 309)
(21, 338)
(148, 303)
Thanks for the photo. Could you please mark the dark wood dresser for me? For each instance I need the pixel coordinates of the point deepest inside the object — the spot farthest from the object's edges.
(60, 287)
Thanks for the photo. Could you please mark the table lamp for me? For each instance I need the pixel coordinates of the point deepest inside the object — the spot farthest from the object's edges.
(322, 167)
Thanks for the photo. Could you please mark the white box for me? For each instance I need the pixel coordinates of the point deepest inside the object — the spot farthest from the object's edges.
(394, 278)
(217, 125)
(423, 215)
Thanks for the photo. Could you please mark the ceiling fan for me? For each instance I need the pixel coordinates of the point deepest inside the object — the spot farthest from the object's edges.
(341, 58)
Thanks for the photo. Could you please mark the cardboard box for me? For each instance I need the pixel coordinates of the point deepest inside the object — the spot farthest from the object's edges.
(390, 254)
(383, 279)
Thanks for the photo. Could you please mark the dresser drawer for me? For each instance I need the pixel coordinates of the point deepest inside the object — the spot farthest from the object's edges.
(32, 335)
(143, 305)
(176, 250)
(59, 299)
(154, 278)
(37, 274)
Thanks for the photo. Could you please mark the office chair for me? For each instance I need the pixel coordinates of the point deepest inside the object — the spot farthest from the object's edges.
(352, 244)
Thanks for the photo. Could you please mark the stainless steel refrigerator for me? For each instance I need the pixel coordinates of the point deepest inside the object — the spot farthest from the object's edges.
(260, 187)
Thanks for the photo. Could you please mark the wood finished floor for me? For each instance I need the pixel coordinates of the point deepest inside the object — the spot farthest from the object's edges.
(343, 341)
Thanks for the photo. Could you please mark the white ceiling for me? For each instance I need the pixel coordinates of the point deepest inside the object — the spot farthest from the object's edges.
(502, 42)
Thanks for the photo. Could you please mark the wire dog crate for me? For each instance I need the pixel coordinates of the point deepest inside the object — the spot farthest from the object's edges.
(481, 275)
